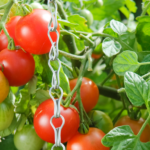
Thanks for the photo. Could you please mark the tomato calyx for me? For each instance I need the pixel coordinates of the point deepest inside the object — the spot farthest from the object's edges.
(11, 44)
(134, 113)
(27, 9)
(83, 128)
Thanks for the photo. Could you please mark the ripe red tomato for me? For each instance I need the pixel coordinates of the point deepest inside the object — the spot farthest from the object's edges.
(96, 56)
(89, 141)
(31, 32)
(89, 93)
(18, 66)
(10, 26)
(135, 126)
(42, 125)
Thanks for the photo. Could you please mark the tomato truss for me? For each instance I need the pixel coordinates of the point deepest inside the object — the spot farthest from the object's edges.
(53, 56)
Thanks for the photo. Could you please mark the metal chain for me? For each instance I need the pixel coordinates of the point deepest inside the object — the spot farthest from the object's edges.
(53, 56)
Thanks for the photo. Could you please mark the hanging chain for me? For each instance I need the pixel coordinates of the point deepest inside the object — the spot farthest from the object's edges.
(53, 56)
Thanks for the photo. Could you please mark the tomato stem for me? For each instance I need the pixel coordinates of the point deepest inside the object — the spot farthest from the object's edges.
(108, 77)
(11, 44)
(145, 9)
(143, 127)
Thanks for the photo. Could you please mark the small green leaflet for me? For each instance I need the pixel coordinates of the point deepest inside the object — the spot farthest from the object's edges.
(126, 61)
(137, 89)
(131, 5)
(118, 27)
(110, 47)
(122, 138)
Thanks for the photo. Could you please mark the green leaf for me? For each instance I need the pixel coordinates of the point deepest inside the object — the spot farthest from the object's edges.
(47, 74)
(110, 47)
(21, 106)
(143, 33)
(118, 27)
(40, 96)
(67, 23)
(77, 19)
(126, 61)
(136, 88)
(145, 68)
(8, 143)
(125, 11)
(108, 8)
(131, 5)
(32, 85)
(122, 138)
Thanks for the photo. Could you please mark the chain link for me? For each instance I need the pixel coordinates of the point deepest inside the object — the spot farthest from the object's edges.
(53, 56)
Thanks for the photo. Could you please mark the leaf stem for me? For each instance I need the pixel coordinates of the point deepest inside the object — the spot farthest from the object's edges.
(79, 81)
(108, 77)
(144, 63)
(72, 56)
(145, 75)
(11, 44)
(145, 9)
(143, 127)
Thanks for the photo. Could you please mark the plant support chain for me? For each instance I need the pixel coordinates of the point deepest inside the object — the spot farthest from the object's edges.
(53, 56)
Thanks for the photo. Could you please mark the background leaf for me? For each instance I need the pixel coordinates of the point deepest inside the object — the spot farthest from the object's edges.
(118, 27)
(136, 88)
(122, 138)
(110, 47)
(126, 61)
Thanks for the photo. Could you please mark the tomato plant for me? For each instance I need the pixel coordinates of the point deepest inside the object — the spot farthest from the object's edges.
(4, 87)
(135, 126)
(89, 141)
(10, 26)
(18, 66)
(32, 29)
(42, 125)
(26, 139)
(89, 93)
(95, 92)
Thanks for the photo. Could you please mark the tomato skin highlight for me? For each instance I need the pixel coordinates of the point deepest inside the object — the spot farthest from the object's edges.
(89, 141)
(31, 32)
(10, 26)
(18, 66)
(89, 93)
(42, 125)
(27, 139)
(135, 126)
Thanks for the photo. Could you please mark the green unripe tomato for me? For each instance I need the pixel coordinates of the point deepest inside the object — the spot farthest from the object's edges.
(6, 115)
(100, 120)
(27, 139)
(99, 3)
(87, 15)
(36, 5)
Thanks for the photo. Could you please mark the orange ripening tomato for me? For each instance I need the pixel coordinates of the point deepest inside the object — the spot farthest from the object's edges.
(89, 141)
(135, 126)
(96, 56)
(89, 93)
(4, 87)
